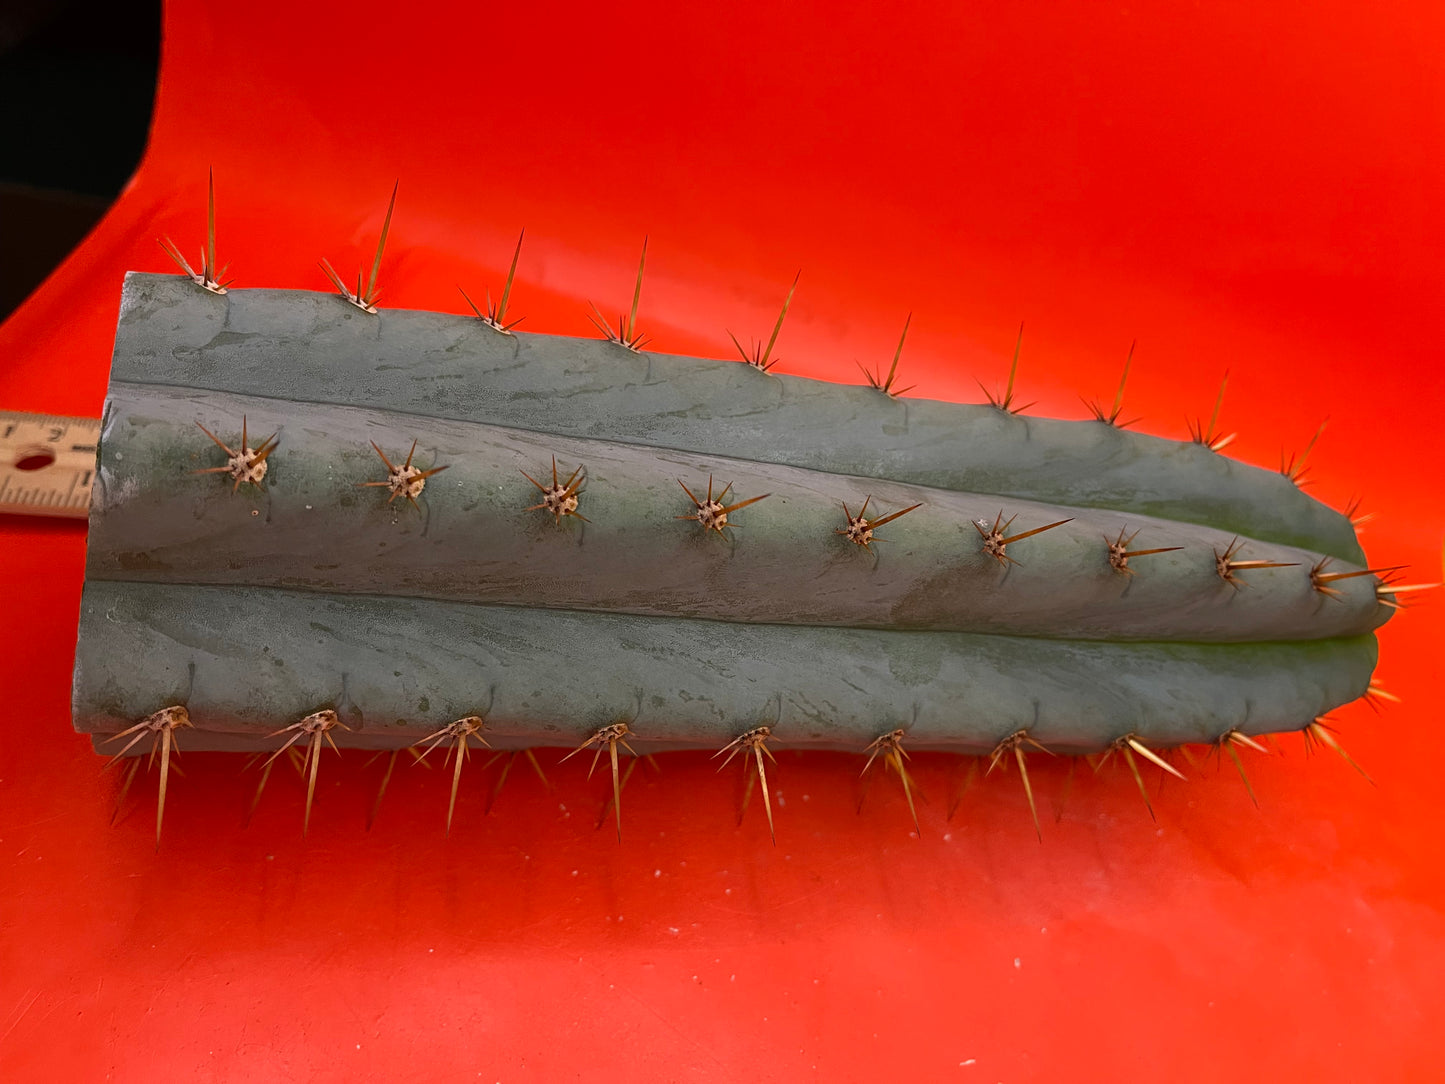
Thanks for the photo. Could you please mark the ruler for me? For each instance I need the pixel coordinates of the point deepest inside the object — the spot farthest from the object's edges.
(47, 464)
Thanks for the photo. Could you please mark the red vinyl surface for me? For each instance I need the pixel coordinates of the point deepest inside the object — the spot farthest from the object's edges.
(1238, 187)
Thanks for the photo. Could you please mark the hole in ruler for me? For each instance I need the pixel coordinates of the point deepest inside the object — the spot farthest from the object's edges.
(34, 458)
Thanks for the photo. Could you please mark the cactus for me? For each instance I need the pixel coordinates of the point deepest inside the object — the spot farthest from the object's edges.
(636, 550)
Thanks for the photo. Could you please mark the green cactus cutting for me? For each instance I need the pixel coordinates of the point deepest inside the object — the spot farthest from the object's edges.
(455, 532)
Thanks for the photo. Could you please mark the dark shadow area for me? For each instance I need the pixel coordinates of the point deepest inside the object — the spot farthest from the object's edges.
(77, 86)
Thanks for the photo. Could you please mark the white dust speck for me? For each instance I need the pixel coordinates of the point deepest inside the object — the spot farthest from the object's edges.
(657, 873)
(1017, 962)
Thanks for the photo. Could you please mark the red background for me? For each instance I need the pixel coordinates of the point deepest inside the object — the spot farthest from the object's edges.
(1237, 186)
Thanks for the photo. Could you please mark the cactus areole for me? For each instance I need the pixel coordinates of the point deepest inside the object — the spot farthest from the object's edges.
(411, 518)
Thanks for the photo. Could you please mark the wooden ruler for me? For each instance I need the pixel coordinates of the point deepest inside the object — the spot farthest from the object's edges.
(47, 464)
